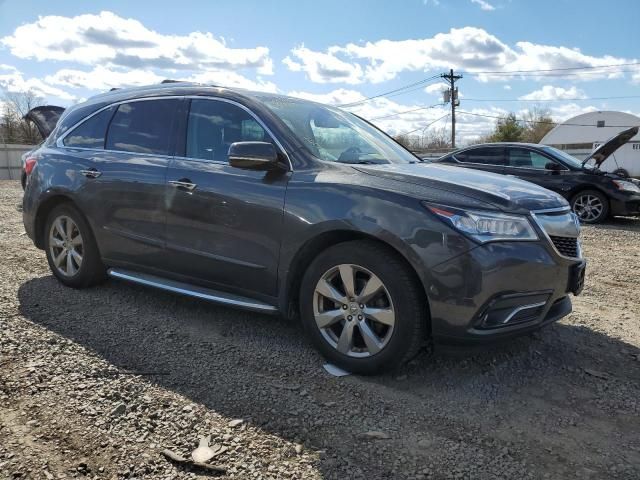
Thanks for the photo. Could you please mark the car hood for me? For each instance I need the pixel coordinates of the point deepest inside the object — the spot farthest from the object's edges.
(603, 152)
(501, 191)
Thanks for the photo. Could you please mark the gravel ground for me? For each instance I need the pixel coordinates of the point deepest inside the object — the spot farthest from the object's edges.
(96, 383)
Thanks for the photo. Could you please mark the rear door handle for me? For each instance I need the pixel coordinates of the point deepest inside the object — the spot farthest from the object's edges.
(183, 183)
(91, 173)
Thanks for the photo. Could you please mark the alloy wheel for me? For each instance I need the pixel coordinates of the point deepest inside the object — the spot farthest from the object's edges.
(353, 310)
(588, 207)
(66, 247)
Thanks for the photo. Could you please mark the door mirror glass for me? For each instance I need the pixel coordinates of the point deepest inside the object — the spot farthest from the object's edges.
(253, 155)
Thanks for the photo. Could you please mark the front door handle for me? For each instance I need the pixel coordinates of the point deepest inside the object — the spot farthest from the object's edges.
(91, 173)
(183, 183)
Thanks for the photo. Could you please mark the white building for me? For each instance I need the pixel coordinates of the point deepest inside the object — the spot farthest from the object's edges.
(580, 135)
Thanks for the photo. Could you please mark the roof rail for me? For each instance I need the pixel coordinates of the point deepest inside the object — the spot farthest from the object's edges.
(169, 80)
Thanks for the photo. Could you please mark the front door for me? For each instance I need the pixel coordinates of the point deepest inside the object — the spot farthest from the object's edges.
(224, 224)
(533, 166)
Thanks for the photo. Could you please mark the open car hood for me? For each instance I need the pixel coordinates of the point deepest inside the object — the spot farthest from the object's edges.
(601, 153)
(44, 118)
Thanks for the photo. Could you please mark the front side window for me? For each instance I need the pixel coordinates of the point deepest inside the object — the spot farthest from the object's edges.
(214, 125)
(523, 158)
(482, 156)
(143, 127)
(90, 133)
(334, 135)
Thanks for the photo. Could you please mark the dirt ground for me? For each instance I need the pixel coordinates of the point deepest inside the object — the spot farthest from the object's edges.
(96, 383)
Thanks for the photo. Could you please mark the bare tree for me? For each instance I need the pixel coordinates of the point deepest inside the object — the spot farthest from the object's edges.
(536, 124)
(14, 128)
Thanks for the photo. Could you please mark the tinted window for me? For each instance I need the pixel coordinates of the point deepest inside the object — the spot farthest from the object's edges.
(90, 134)
(214, 125)
(522, 158)
(142, 127)
(485, 156)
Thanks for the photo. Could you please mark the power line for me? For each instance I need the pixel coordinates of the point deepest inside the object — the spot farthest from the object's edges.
(384, 94)
(548, 100)
(545, 122)
(589, 67)
(408, 111)
(425, 126)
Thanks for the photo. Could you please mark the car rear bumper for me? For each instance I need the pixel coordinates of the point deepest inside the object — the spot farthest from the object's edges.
(499, 290)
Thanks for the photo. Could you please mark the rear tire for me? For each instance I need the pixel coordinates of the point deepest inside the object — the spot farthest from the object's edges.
(375, 320)
(590, 206)
(71, 248)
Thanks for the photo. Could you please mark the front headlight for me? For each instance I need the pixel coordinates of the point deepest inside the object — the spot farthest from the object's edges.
(485, 226)
(626, 186)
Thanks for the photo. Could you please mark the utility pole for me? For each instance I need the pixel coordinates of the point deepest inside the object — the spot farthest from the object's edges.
(452, 96)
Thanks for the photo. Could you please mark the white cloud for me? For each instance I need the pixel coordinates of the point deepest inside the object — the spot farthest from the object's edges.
(226, 78)
(469, 48)
(323, 67)
(340, 96)
(102, 78)
(109, 39)
(484, 5)
(436, 88)
(14, 82)
(549, 92)
(507, 87)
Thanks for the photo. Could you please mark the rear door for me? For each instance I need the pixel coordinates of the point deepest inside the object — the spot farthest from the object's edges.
(125, 184)
(531, 165)
(224, 224)
(489, 158)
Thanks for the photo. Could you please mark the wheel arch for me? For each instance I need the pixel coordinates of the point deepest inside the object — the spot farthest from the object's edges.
(45, 207)
(289, 296)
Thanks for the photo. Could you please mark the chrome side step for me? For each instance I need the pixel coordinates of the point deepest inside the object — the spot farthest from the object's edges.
(192, 290)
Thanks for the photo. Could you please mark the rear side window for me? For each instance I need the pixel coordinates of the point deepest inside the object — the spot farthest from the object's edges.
(484, 156)
(143, 127)
(214, 125)
(90, 133)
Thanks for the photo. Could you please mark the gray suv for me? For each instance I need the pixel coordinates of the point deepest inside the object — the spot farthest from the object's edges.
(285, 206)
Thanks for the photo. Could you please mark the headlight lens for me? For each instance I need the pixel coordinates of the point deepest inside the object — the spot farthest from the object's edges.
(485, 226)
(626, 186)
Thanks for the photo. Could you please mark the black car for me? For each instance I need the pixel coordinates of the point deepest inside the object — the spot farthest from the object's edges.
(593, 194)
(285, 206)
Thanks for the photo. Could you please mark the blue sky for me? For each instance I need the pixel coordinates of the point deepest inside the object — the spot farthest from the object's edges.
(336, 51)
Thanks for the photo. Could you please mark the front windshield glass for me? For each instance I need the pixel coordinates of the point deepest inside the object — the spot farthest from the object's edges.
(570, 159)
(336, 136)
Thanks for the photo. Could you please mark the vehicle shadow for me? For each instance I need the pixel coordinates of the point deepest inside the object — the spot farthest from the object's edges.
(261, 368)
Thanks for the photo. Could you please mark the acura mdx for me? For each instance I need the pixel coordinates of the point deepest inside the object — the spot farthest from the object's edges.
(282, 205)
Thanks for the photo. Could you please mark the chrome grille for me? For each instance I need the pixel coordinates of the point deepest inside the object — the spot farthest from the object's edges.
(567, 246)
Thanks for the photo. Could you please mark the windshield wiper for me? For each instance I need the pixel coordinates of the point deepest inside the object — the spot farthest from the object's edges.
(363, 162)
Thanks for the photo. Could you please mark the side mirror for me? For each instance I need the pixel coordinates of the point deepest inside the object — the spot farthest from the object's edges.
(553, 166)
(253, 155)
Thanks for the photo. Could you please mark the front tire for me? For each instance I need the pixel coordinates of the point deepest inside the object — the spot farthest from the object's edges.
(363, 308)
(71, 248)
(590, 206)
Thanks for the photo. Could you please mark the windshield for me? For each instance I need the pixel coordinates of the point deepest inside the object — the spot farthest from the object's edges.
(337, 136)
(570, 159)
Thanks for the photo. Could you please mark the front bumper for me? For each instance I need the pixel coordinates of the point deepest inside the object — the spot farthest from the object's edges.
(501, 289)
(629, 206)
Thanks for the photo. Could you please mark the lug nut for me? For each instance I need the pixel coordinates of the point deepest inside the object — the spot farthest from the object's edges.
(349, 317)
(360, 317)
(344, 307)
(361, 305)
